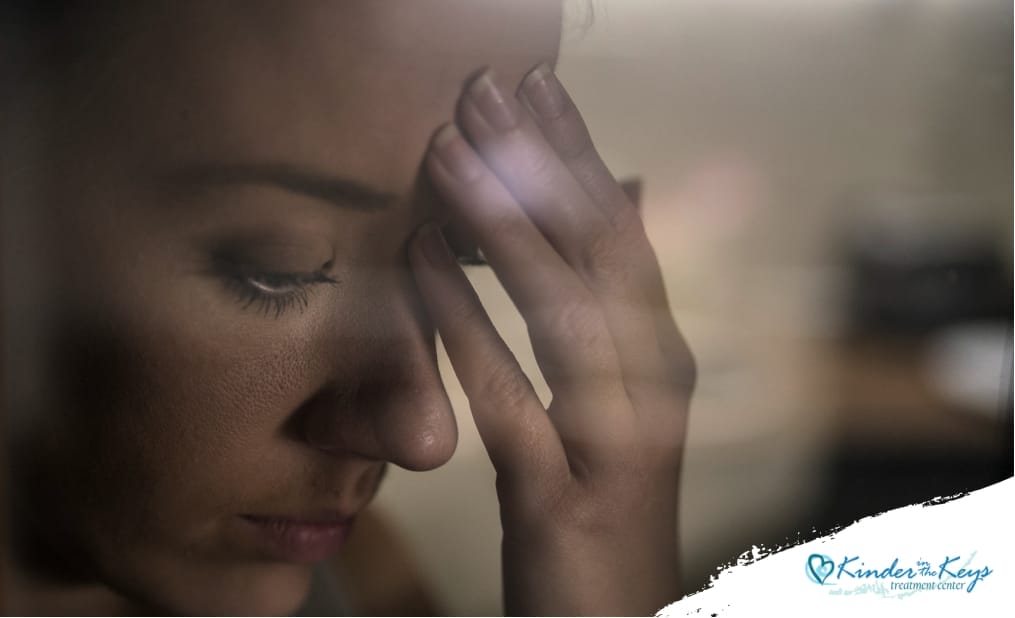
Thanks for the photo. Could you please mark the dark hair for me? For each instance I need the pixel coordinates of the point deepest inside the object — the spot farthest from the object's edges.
(31, 32)
(47, 42)
(28, 24)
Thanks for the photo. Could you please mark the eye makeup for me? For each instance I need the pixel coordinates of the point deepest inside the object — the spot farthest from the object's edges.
(271, 293)
(271, 276)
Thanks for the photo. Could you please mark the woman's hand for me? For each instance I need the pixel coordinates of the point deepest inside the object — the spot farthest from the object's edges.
(588, 486)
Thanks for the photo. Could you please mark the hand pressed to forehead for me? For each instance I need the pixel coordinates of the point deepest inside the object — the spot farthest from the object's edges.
(599, 466)
(354, 89)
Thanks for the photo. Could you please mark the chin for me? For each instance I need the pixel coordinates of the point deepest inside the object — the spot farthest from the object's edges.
(264, 589)
(282, 595)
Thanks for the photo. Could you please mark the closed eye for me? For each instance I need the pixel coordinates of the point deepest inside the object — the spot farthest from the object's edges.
(269, 292)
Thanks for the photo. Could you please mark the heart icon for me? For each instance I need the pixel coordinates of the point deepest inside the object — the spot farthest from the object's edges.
(819, 568)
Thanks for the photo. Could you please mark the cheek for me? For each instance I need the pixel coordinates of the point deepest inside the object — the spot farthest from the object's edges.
(166, 421)
(176, 408)
(168, 412)
(155, 403)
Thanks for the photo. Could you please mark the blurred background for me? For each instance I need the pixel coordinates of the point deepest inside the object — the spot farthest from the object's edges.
(828, 185)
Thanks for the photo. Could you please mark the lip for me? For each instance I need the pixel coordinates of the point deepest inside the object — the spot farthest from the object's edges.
(300, 539)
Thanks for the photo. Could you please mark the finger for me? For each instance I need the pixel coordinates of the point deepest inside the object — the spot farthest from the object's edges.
(565, 130)
(511, 421)
(563, 127)
(572, 342)
(513, 147)
(611, 254)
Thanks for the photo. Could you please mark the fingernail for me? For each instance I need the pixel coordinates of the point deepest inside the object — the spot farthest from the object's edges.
(543, 92)
(434, 247)
(455, 154)
(497, 109)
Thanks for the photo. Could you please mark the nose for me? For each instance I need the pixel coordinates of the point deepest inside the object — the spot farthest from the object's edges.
(389, 403)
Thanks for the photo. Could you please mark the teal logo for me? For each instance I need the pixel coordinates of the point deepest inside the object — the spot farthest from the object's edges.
(819, 568)
(952, 573)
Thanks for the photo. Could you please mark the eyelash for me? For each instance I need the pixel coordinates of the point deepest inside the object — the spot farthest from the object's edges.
(254, 289)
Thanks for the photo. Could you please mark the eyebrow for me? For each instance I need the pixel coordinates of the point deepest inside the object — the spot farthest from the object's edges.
(338, 191)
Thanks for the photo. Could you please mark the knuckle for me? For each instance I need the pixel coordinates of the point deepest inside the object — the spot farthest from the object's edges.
(507, 227)
(505, 386)
(538, 163)
(619, 253)
(574, 142)
(464, 311)
(523, 158)
(602, 257)
(581, 323)
(627, 222)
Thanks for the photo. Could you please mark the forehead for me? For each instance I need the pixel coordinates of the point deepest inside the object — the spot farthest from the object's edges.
(350, 86)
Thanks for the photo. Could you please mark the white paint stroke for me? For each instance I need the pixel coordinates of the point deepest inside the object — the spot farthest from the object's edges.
(941, 558)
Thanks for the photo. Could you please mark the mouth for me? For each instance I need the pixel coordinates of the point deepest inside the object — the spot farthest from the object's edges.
(303, 540)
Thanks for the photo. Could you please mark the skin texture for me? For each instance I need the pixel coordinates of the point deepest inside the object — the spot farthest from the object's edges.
(162, 399)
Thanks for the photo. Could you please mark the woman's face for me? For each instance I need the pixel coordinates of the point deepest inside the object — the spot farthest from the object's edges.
(218, 342)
